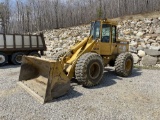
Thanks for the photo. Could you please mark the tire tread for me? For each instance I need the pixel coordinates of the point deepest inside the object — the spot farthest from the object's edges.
(81, 68)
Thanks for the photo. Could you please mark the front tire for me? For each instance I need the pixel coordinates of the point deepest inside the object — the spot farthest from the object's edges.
(3, 59)
(124, 64)
(89, 69)
(17, 58)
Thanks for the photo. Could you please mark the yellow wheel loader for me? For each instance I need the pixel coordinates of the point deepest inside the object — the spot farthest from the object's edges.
(85, 61)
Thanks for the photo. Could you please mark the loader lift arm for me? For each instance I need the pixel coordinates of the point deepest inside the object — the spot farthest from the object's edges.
(83, 47)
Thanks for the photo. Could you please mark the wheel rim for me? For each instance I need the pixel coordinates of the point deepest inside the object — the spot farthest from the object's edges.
(94, 70)
(128, 65)
(2, 59)
(19, 58)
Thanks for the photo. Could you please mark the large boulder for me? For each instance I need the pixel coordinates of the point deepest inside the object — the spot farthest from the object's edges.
(135, 58)
(154, 36)
(139, 24)
(140, 34)
(155, 44)
(143, 44)
(157, 48)
(141, 53)
(148, 46)
(158, 38)
(133, 43)
(148, 36)
(147, 21)
(149, 60)
(127, 32)
(132, 24)
(135, 32)
(152, 52)
(158, 61)
(132, 49)
(151, 41)
(140, 47)
(157, 31)
(155, 21)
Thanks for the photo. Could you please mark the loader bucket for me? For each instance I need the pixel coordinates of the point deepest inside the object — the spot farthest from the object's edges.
(43, 79)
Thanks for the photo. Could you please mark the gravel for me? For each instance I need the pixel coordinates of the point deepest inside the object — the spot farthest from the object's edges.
(116, 98)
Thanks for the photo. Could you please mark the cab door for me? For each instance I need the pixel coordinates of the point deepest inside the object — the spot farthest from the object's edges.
(114, 46)
(105, 44)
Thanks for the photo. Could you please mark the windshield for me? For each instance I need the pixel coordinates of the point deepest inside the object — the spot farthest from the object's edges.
(95, 29)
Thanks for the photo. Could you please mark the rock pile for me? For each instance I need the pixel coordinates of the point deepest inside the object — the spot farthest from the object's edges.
(58, 39)
(143, 35)
(144, 38)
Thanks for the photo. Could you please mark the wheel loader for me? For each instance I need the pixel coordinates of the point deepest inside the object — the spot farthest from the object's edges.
(85, 61)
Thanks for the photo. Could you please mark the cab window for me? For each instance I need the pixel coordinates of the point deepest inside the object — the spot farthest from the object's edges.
(106, 33)
(95, 29)
(113, 34)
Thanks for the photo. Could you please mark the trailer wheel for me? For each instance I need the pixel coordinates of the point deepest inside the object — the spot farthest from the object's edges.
(89, 69)
(36, 54)
(17, 58)
(3, 59)
(124, 64)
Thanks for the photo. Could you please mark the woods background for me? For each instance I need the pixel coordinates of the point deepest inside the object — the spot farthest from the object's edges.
(21, 16)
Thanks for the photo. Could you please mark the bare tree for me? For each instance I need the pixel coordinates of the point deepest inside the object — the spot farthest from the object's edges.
(5, 14)
(38, 15)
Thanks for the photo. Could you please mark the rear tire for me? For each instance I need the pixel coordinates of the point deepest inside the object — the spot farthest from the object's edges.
(36, 54)
(89, 69)
(3, 59)
(124, 64)
(59, 54)
(17, 58)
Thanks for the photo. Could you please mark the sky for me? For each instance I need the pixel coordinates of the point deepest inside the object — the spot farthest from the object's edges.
(11, 0)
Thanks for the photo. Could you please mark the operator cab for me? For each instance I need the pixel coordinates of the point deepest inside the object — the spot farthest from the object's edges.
(104, 31)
